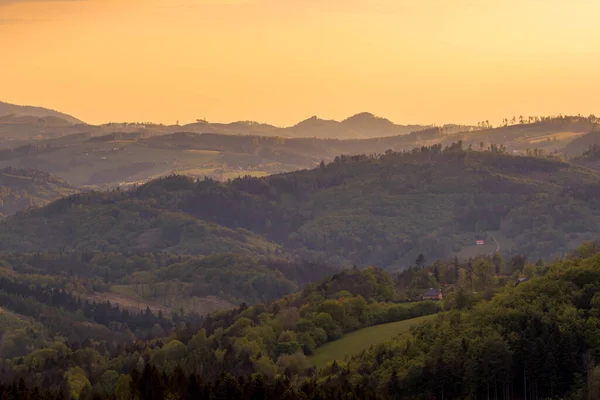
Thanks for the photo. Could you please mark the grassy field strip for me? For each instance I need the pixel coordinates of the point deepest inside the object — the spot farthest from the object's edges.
(551, 136)
(355, 342)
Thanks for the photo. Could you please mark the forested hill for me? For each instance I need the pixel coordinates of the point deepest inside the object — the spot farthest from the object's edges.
(55, 339)
(364, 210)
(534, 339)
(24, 188)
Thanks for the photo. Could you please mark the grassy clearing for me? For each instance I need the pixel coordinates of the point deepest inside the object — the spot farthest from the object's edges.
(203, 152)
(489, 248)
(163, 298)
(474, 251)
(355, 342)
(240, 173)
(505, 242)
(201, 305)
(125, 290)
(554, 135)
(131, 303)
(197, 171)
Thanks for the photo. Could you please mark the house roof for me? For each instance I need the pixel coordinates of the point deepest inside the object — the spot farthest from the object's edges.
(431, 292)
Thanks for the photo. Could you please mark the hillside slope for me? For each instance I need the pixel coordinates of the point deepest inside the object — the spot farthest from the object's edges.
(364, 210)
(354, 343)
(24, 188)
(582, 144)
(549, 134)
(387, 210)
(109, 223)
(19, 111)
(589, 158)
(15, 130)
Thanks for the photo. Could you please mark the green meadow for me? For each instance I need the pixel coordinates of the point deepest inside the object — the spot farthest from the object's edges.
(355, 342)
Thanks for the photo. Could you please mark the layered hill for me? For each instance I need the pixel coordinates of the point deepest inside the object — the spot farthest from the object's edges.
(360, 126)
(117, 222)
(120, 155)
(365, 210)
(22, 124)
(550, 134)
(31, 111)
(24, 188)
(124, 158)
(17, 130)
(28, 122)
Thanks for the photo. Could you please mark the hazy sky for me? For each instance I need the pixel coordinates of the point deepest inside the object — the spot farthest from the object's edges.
(280, 61)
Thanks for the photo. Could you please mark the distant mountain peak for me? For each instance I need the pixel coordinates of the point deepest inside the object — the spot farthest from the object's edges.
(367, 120)
(364, 114)
(314, 120)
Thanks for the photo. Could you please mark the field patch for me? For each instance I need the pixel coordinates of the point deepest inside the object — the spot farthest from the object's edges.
(494, 242)
(200, 305)
(197, 171)
(355, 342)
(203, 152)
(131, 303)
(169, 296)
(558, 136)
(241, 173)
(474, 251)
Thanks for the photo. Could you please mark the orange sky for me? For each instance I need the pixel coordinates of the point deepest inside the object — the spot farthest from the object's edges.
(280, 61)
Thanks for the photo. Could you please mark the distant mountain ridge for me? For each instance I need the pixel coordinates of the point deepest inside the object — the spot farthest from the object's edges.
(360, 126)
(125, 154)
(19, 111)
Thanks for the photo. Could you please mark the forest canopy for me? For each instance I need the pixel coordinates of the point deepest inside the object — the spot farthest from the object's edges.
(365, 210)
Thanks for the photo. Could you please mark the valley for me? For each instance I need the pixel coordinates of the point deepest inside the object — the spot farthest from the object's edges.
(299, 200)
(306, 264)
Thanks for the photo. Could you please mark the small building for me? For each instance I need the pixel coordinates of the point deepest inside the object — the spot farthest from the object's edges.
(479, 242)
(432, 294)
